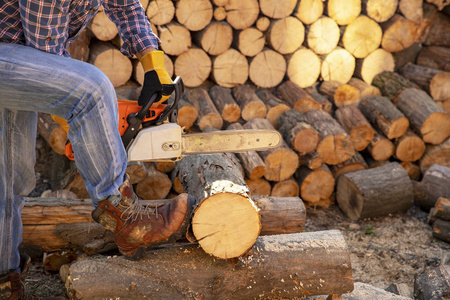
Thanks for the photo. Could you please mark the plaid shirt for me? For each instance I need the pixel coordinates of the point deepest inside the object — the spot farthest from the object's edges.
(52, 25)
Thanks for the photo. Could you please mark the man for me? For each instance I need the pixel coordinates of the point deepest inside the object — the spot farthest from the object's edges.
(37, 75)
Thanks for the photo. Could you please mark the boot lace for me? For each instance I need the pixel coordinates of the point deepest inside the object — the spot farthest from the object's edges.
(137, 210)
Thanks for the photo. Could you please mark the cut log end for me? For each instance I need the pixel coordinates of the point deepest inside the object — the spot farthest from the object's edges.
(231, 113)
(361, 136)
(398, 128)
(317, 186)
(235, 233)
(306, 141)
(212, 120)
(335, 149)
(436, 128)
(281, 164)
(254, 109)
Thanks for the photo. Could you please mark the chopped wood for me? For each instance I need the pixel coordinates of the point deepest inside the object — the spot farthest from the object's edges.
(366, 90)
(165, 166)
(340, 94)
(303, 67)
(194, 66)
(277, 9)
(208, 115)
(286, 188)
(409, 147)
(315, 185)
(225, 103)
(379, 10)
(373, 64)
(160, 12)
(398, 33)
(362, 36)
(391, 83)
(436, 154)
(249, 41)
(323, 35)
(311, 161)
(411, 9)
(175, 38)
(285, 35)
(220, 13)
(53, 261)
(79, 49)
(356, 125)
(52, 132)
(251, 105)
(136, 171)
(338, 65)
(355, 163)
(263, 23)
(412, 169)
(275, 106)
(260, 186)
(156, 185)
(187, 114)
(215, 38)
(323, 101)
(230, 68)
(436, 57)
(375, 192)
(194, 14)
(442, 209)
(380, 148)
(434, 184)
(242, 14)
(296, 97)
(102, 27)
(308, 11)
(343, 11)
(438, 34)
(267, 69)
(425, 116)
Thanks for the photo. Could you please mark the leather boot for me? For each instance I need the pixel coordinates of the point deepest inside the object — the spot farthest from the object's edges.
(13, 288)
(137, 227)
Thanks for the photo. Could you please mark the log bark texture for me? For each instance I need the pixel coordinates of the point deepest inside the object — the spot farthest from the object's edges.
(433, 185)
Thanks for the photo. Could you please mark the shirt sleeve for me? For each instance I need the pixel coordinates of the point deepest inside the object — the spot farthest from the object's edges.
(133, 25)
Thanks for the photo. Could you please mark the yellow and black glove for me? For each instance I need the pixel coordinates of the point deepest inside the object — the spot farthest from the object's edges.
(156, 78)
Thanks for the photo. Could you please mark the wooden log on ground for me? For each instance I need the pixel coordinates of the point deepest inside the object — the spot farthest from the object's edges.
(315, 185)
(433, 185)
(102, 27)
(275, 106)
(115, 65)
(281, 162)
(385, 116)
(303, 67)
(285, 35)
(373, 64)
(355, 163)
(297, 133)
(409, 147)
(230, 68)
(323, 35)
(308, 11)
(436, 154)
(286, 188)
(52, 132)
(365, 90)
(215, 38)
(259, 187)
(296, 97)
(438, 34)
(242, 14)
(338, 65)
(160, 12)
(398, 33)
(335, 146)
(249, 41)
(379, 10)
(375, 192)
(356, 125)
(252, 163)
(441, 230)
(277, 10)
(267, 68)
(362, 36)
(226, 221)
(136, 171)
(251, 105)
(436, 57)
(208, 115)
(194, 14)
(426, 117)
(432, 284)
(380, 148)
(343, 11)
(442, 209)
(187, 114)
(156, 185)
(194, 66)
(225, 103)
(306, 253)
(175, 38)
(340, 94)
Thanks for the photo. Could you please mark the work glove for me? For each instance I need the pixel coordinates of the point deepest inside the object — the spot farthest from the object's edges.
(156, 78)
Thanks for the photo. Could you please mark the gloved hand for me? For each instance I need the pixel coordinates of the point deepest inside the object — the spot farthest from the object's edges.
(156, 78)
(62, 122)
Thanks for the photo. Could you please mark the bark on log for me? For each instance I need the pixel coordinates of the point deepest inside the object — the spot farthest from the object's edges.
(373, 64)
(379, 10)
(355, 163)
(312, 161)
(323, 35)
(436, 154)
(249, 41)
(343, 11)
(194, 66)
(252, 163)
(362, 36)
(160, 12)
(441, 230)
(286, 188)
(398, 33)
(365, 90)
(296, 254)
(226, 221)
(432, 284)
(175, 38)
(79, 49)
(230, 68)
(323, 101)
(208, 116)
(436, 57)
(267, 68)
(412, 169)
(438, 34)
(251, 105)
(281, 162)
(53, 134)
(275, 106)
(156, 185)
(106, 57)
(385, 116)
(434, 184)
(409, 147)
(225, 103)
(442, 209)
(259, 187)
(391, 83)
(102, 27)
(425, 116)
(187, 114)
(406, 55)
(338, 65)
(315, 185)
(335, 146)
(356, 125)
(380, 148)
(340, 94)
(412, 10)
(296, 97)
(375, 192)
(277, 9)
(285, 35)
(194, 14)
(215, 38)
(308, 11)
(303, 67)
(242, 14)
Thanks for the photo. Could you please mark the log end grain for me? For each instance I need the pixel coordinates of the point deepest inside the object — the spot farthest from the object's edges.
(212, 120)
(436, 128)
(361, 136)
(382, 149)
(231, 113)
(253, 110)
(286, 188)
(187, 115)
(260, 187)
(398, 128)
(306, 141)
(317, 186)
(280, 164)
(411, 148)
(335, 149)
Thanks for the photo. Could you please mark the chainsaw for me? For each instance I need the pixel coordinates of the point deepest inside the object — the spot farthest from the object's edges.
(151, 132)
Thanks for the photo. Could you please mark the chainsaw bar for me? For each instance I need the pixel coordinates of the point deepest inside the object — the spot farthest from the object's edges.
(230, 141)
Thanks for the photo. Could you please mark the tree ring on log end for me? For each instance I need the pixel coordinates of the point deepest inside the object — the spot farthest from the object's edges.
(436, 128)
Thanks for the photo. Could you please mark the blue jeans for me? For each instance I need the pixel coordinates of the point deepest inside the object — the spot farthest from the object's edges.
(33, 81)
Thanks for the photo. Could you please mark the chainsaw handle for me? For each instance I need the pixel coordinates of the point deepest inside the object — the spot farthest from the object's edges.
(179, 90)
